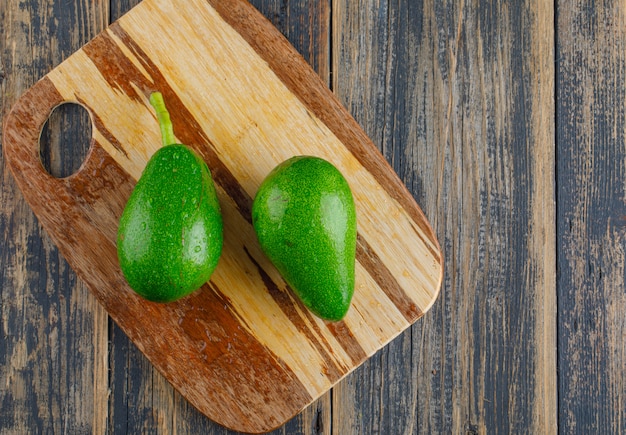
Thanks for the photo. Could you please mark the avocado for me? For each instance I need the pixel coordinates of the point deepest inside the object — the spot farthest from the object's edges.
(170, 234)
(305, 220)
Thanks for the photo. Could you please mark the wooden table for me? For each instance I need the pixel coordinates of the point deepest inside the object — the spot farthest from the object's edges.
(507, 122)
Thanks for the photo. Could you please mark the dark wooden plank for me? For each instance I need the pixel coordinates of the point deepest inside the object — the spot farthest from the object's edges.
(50, 348)
(591, 120)
(459, 98)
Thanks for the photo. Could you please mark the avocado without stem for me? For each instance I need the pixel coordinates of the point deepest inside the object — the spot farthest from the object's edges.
(170, 234)
(305, 220)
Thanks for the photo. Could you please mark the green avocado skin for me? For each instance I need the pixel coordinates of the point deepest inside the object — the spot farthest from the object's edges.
(170, 235)
(305, 220)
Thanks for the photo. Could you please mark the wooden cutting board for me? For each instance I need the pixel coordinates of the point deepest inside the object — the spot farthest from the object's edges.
(241, 349)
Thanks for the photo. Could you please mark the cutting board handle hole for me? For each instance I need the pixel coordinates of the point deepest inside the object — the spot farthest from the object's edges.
(65, 140)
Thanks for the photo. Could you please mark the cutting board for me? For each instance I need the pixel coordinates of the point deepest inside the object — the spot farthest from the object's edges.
(242, 349)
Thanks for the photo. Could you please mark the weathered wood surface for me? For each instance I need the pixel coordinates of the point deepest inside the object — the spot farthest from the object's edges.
(591, 204)
(460, 98)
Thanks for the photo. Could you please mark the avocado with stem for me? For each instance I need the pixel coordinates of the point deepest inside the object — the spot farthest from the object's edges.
(170, 234)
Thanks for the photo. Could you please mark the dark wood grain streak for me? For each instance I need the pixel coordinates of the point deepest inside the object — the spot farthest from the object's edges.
(288, 303)
(224, 351)
(97, 121)
(115, 65)
(346, 337)
(386, 280)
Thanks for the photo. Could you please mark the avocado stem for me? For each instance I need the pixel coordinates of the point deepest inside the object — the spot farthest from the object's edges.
(163, 116)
